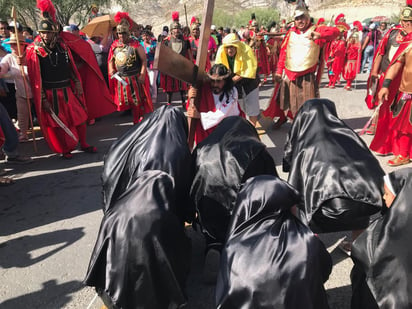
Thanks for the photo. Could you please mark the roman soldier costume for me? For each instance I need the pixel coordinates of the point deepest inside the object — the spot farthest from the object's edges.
(336, 58)
(300, 59)
(178, 43)
(129, 83)
(57, 86)
(399, 99)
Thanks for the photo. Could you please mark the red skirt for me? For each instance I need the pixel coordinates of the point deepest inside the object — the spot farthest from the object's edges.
(70, 111)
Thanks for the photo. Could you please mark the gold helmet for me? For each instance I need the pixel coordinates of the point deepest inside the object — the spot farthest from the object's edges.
(48, 22)
(124, 22)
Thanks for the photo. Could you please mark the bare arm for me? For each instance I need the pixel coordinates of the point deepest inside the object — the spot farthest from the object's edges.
(376, 65)
(390, 75)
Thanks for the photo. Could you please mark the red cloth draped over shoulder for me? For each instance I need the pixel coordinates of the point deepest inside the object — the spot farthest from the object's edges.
(97, 96)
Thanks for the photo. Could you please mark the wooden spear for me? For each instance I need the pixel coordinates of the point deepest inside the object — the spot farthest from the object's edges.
(26, 88)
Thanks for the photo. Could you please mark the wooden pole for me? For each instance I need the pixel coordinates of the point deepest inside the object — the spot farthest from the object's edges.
(202, 53)
(26, 88)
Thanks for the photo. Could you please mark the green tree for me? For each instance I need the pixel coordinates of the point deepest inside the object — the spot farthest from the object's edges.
(264, 16)
(66, 11)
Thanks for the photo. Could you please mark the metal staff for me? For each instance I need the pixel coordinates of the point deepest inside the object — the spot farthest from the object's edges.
(26, 88)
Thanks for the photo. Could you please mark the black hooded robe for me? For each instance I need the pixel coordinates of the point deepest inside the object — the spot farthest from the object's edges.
(382, 254)
(224, 160)
(271, 259)
(142, 255)
(331, 166)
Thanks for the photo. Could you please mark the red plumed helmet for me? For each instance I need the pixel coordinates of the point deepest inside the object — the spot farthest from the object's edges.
(123, 18)
(47, 9)
(341, 15)
(175, 16)
(358, 25)
(409, 3)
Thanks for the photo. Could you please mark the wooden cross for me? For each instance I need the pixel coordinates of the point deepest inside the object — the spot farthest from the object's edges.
(173, 64)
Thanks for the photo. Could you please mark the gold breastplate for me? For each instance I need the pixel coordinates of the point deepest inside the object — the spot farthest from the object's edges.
(301, 53)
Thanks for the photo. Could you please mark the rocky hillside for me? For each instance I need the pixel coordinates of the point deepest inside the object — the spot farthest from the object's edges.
(158, 12)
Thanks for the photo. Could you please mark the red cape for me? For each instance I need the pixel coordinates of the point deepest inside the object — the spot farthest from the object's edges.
(98, 99)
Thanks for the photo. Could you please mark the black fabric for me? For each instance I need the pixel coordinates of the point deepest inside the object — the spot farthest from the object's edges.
(382, 254)
(332, 167)
(230, 154)
(142, 255)
(159, 142)
(141, 258)
(271, 259)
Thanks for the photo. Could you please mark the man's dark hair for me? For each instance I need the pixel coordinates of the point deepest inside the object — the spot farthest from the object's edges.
(28, 29)
(221, 70)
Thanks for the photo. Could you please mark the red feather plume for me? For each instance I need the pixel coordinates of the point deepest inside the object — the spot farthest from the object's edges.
(409, 3)
(175, 16)
(320, 21)
(339, 17)
(193, 20)
(46, 6)
(123, 15)
(358, 25)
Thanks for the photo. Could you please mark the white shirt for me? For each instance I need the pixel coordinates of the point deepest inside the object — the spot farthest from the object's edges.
(9, 66)
(224, 108)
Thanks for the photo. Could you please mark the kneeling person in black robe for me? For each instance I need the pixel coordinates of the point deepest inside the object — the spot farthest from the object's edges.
(333, 169)
(142, 255)
(230, 155)
(271, 259)
(382, 256)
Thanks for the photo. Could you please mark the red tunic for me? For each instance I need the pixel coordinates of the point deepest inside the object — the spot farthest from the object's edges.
(337, 58)
(134, 95)
(352, 61)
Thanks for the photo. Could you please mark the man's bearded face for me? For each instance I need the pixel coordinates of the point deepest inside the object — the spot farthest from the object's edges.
(217, 85)
(302, 22)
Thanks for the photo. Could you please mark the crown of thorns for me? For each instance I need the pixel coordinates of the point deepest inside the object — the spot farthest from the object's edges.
(219, 77)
